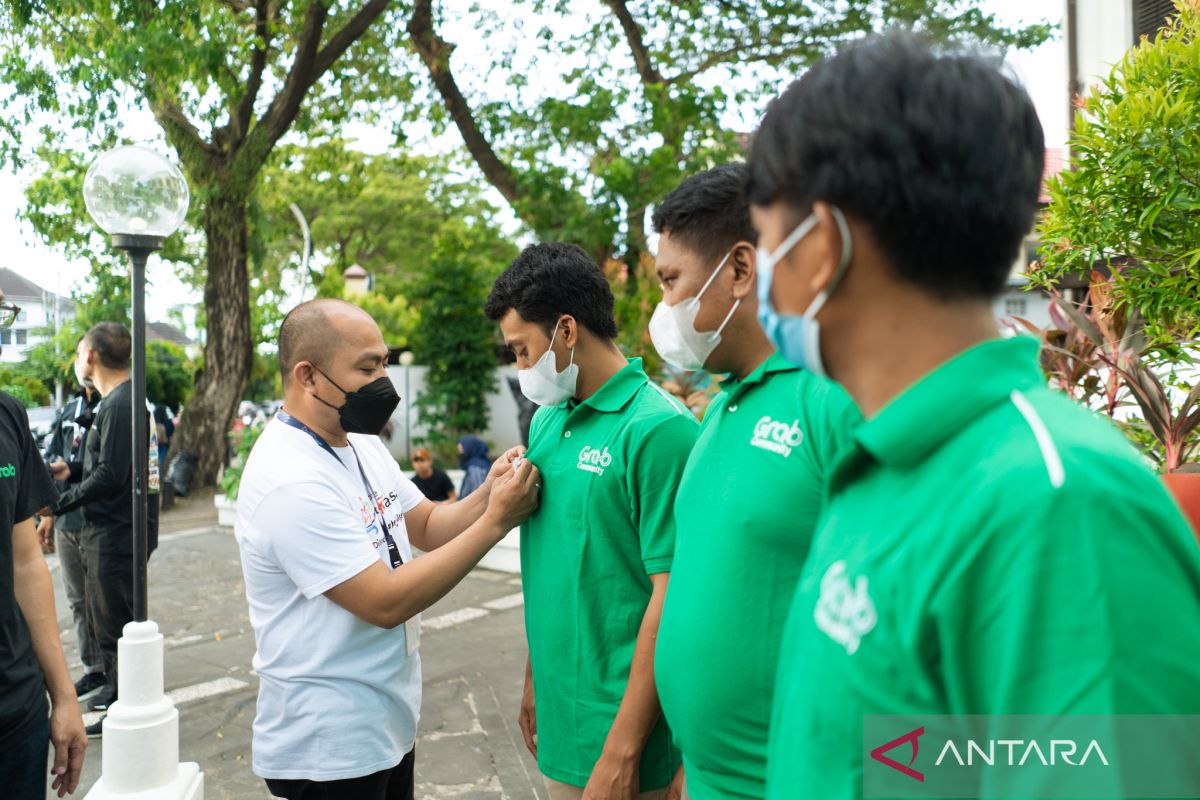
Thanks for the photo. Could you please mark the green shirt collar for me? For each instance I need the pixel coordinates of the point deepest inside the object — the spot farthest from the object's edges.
(945, 401)
(619, 389)
(774, 363)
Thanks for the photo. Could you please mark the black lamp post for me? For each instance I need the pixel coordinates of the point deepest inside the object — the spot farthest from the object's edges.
(139, 198)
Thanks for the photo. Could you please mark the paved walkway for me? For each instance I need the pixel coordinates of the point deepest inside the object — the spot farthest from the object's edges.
(472, 650)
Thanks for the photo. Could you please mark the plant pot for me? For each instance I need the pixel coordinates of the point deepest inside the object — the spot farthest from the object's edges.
(226, 510)
(1185, 487)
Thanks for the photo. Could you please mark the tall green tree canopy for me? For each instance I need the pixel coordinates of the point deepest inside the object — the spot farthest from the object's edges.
(225, 80)
(580, 115)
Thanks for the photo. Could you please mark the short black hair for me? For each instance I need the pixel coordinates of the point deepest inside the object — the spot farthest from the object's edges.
(940, 155)
(550, 279)
(708, 212)
(112, 344)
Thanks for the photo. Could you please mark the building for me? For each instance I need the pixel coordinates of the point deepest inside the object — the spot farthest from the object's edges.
(41, 312)
(1017, 300)
(1098, 32)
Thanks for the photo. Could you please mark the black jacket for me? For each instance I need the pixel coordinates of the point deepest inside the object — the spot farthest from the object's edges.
(102, 483)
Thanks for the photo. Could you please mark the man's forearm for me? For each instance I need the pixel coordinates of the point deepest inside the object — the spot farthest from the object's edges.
(447, 521)
(35, 596)
(640, 709)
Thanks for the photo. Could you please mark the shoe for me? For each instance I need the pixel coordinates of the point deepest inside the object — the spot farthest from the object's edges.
(103, 700)
(89, 685)
(95, 730)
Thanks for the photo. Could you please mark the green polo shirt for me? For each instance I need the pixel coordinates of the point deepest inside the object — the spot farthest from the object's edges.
(610, 467)
(989, 547)
(745, 513)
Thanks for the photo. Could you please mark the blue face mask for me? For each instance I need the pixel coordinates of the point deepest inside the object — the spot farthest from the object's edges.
(798, 336)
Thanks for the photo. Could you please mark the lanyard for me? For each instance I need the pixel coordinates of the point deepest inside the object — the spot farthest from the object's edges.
(393, 549)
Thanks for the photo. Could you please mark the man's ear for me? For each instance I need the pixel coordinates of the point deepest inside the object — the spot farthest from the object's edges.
(743, 258)
(303, 374)
(827, 238)
(568, 331)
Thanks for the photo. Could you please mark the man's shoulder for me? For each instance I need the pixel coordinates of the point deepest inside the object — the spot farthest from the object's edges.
(654, 405)
(14, 415)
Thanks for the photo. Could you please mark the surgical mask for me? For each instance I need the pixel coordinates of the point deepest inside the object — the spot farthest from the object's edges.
(79, 376)
(368, 408)
(544, 384)
(798, 336)
(673, 329)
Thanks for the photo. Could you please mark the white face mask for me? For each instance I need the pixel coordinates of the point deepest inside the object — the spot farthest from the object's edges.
(673, 329)
(544, 384)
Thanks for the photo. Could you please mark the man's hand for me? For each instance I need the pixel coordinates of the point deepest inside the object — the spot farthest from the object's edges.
(45, 532)
(503, 465)
(527, 718)
(675, 790)
(60, 470)
(613, 778)
(515, 496)
(70, 741)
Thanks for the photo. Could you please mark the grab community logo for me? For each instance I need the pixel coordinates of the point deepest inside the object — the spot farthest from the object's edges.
(8, 471)
(777, 437)
(592, 459)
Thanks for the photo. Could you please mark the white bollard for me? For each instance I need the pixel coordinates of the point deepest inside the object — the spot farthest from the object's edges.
(141, 731)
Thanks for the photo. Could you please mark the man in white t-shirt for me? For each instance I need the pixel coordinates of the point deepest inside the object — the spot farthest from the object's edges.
(325, 521)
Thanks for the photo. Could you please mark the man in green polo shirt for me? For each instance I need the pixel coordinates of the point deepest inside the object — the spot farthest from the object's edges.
(595, 558)
(989, 548)
(751, 491)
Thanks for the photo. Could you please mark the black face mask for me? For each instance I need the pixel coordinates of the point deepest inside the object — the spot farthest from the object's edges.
(367, 409)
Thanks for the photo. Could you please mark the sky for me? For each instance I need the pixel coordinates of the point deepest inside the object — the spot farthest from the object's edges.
(1041, 71)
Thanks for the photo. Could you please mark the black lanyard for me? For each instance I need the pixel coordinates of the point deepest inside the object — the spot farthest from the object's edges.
(393, 549)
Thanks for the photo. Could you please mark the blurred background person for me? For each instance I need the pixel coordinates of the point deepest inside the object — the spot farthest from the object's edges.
(62, 535)
(474, 462)
(433, 481)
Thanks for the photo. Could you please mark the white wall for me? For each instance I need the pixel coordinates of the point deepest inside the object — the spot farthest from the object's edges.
(33, 317)
(1104, 31)
(502, 431)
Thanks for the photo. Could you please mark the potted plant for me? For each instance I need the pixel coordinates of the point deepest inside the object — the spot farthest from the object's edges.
(231, 477)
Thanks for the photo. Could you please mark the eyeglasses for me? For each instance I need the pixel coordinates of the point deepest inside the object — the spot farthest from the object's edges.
(8, 314)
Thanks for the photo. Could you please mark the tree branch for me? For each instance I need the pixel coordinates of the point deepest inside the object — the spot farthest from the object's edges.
(435, 53)
(350, 32)
(310, 63)
(240, 119)
(637, 43)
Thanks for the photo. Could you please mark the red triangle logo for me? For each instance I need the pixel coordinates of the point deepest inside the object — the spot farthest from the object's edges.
(911, 738)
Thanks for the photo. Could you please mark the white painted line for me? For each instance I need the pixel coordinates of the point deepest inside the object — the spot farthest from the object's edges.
(515, 581)
(187, 694)
(189, 533)
(200, 691)
(505, 603)
(453, 618)
(175, 640)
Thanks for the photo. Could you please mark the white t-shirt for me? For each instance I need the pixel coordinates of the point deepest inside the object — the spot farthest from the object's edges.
(338, 697)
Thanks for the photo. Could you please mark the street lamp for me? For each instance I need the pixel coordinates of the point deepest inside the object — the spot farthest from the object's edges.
(406, 361)
(140, 198)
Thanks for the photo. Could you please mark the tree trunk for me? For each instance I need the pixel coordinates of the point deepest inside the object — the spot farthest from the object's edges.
(635, 243)
(229, 350)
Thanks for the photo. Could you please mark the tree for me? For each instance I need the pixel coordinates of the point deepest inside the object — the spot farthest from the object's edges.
(1130, 202)
(382, 212)
(453, 337)
(225, 80)
(645, 99)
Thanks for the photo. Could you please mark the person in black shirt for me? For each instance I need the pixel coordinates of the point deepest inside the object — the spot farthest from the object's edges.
(31, 655)
(102, 484)
(433, 482)
(62, 535)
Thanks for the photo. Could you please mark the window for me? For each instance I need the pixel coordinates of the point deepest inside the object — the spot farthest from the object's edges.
(1149, 16)
(22, 336)
(24, 315)
(1014, 308)
(6, 337)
